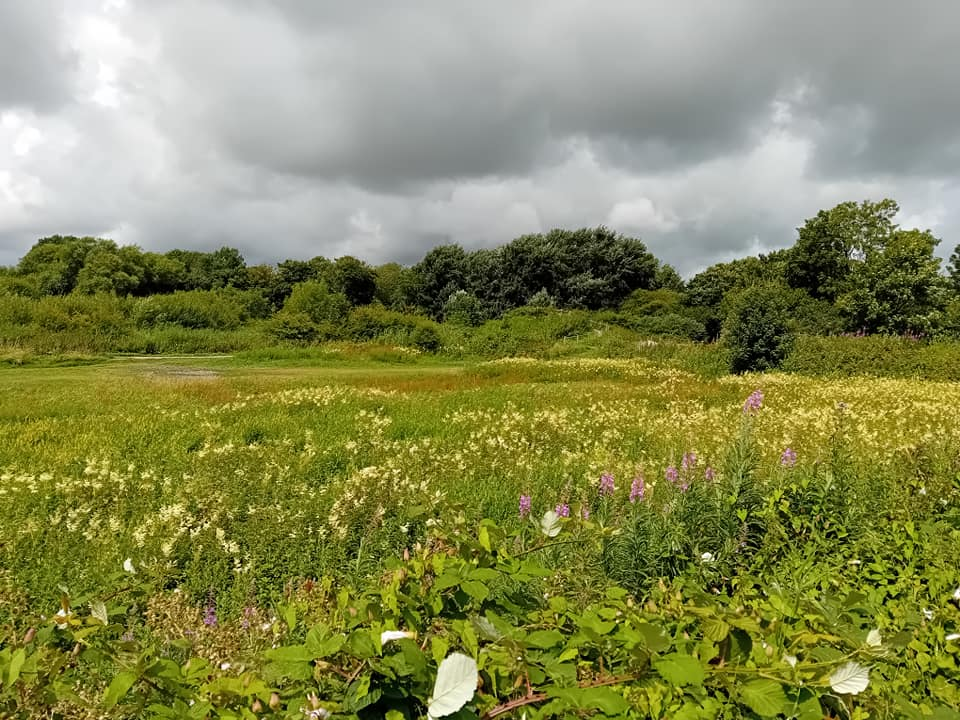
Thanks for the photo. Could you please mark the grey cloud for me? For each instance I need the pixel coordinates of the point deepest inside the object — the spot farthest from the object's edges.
(291, 128)
(35, 66)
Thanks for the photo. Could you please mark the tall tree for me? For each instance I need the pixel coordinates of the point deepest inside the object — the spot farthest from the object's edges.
(829, 245)
(354, 279)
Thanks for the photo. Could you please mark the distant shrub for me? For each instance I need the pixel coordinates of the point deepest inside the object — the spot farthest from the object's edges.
(190, 309)
(463, 308)
(16, 310)
(757, 331)
(100, 314)
(315, 300)
(374, 322)
(875, 355)
(669, 325)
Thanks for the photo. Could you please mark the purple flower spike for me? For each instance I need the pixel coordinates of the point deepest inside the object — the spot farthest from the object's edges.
(689, 461)
(524, 506)
(563, 510)
(788, 458)
(606, 484)
(637, 489)
(672, 474)
(754, 402)
(709, 474)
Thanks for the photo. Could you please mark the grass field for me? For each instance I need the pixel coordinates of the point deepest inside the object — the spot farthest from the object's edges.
(235, 481)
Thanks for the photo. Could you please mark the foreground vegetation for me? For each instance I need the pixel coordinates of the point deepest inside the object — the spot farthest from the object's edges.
(402, 535)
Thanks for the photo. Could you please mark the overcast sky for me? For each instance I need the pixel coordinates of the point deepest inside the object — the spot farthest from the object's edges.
(294, 128)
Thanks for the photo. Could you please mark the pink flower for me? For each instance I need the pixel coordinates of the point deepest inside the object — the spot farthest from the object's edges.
(637, 489)
(788, 458)
(754, 402)
(606, 484)
(524, 506)
(563, 510)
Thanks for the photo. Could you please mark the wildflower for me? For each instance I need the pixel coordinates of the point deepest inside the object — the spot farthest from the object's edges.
(754, 402)
(210, 613)
(525, 505)
(707, 557)
(606, 484)
(788, 458)
(585, 512)
(672, 475)
(388, 635)
(248, 614)
(689, 461)
(127, 636)
(709, 474)
(128, 566)
(563, 510)
(637, 489)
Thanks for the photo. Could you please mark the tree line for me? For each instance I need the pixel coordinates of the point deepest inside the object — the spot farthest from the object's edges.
(851, 269)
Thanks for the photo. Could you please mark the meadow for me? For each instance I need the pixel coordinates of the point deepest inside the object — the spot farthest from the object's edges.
(613, 536)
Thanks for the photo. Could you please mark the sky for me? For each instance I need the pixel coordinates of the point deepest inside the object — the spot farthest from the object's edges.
(294, 128)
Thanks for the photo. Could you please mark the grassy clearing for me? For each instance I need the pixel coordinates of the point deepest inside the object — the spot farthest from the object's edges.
(242, 480)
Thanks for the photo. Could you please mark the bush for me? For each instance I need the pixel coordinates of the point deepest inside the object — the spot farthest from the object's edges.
(374, 322)
(315, 300)
(874, 355)
(190, 309)
(757, 331)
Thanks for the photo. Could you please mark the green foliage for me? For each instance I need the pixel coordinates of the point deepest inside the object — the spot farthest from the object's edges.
(462, 308)
(880, 355)
(354, 279)
(757, 332)
(190, 309)
(896, 288)
(377, 323)
(313, 299)
(828, 246)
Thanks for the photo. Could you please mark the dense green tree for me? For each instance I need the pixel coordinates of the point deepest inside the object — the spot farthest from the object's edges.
(831, 243)
(392, 281)
(353, 278)
(112, 270)
(439, 275)
(667, 278)
(757, 331)
(953, 270)
(56, 262)
(896, 288)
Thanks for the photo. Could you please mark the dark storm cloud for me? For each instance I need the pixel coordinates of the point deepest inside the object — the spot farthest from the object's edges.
(291, 128)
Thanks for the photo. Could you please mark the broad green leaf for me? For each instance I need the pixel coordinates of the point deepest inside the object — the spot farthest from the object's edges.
(766, 698)
(850, 679)
(654, 637)
(605, 699)
(544, 639)
(550, 524)
(483, 537)
(16, 665)
(321, 644)
(715, 629)
(477, 590)
(456, 683)
(679, 669)
(118, 687)
(290, 653)
(874, 639)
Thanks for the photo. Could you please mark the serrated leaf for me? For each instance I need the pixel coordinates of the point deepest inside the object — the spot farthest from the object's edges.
(476, 590)
(766, 698)
(118, 687)
(550, 524)
(679, 669)
(850, 679)
(456, 683)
